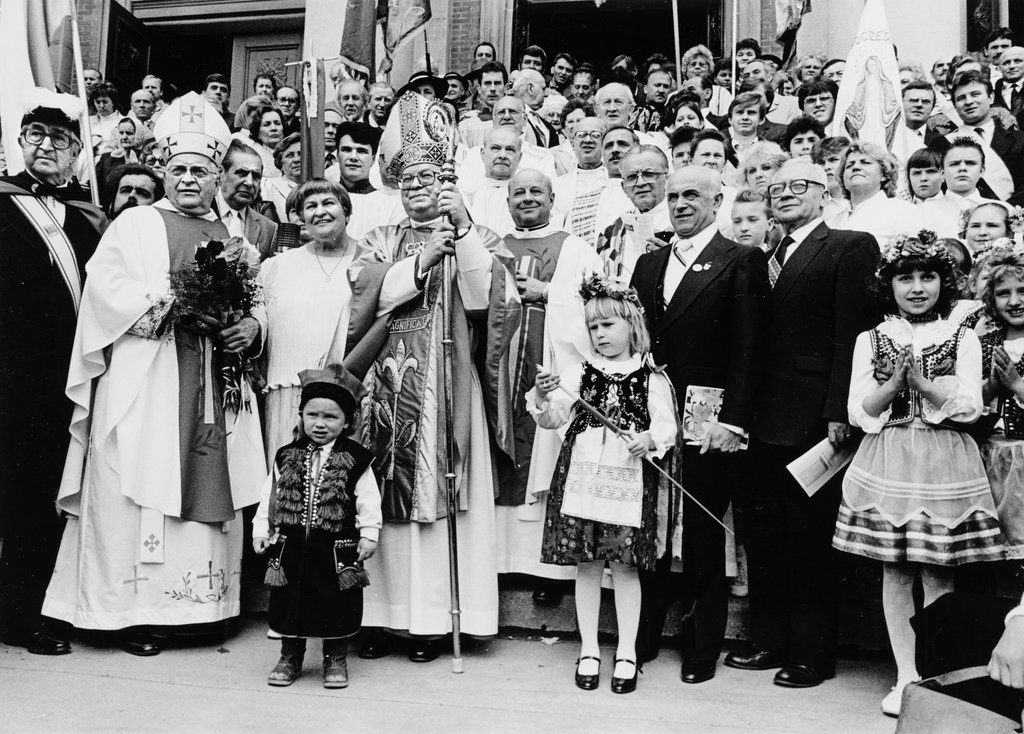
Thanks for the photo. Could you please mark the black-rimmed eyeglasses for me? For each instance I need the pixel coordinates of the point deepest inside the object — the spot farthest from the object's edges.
(797, 186)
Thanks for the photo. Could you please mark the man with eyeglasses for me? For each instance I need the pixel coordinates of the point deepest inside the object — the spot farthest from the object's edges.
(410, 590)
(579, 192)
(153, 486)
(509, 113)
(819, 304)
(549, 265)
(48, 230)
(286, 100)
(705, 300)
(644, 226)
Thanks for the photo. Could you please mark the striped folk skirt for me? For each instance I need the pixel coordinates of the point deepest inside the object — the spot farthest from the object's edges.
(919, 495)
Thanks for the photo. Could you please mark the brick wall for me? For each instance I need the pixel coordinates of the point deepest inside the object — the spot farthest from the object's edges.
(768, 44)
(464, 33)
(90, 17)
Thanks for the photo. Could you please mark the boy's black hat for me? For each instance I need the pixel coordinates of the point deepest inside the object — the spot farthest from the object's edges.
(333, 382)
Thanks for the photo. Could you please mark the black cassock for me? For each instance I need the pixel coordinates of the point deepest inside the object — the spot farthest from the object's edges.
(37, 329)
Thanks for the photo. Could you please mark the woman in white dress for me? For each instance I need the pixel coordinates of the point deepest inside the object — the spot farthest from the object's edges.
(307, 302)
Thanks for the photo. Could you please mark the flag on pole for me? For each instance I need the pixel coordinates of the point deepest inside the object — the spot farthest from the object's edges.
(789, 14)
(869, 107)
(33, 35)
(401, 20)
(359, 36)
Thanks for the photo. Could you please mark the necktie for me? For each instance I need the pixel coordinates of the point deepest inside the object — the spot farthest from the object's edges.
(681, 248)
(778, 259)
(1016, 100)
(980, 132)
(234, 223)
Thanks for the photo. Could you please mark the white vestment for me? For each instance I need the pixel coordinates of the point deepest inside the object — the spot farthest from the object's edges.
(126, 557)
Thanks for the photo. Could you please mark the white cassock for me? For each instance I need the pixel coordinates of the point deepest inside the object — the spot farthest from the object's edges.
(520, 528)
(882, 217)
(276, 190)
(126, 557)
(488, 206)
(379, 208)
(587, 201)
(470, 165)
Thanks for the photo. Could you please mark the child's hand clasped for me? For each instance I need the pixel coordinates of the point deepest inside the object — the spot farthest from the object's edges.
(547, 382)
(260, 545)
(641, 444)
(1006, 372)
(366, 549)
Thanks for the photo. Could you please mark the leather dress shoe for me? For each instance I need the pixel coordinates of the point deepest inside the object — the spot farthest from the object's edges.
(139, 641)
(43, 643)
(756, 660)
(803, 676)
(625, 685)
(698, 672)
(588, 682)
(424, 651)
(376, 645)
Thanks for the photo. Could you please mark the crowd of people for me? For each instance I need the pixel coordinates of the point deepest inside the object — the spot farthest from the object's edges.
(723, 272)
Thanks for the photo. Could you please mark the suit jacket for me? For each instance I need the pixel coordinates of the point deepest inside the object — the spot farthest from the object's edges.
(713, 331)
(1017, 109)
(819, 304)
(1009, 145)
(260, 231)
(539, 132)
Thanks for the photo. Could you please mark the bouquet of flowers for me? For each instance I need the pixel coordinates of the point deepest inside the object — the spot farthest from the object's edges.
(222, 285)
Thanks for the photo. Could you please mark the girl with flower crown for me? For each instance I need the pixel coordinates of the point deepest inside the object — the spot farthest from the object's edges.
(916, 496)
(602, 507)
(1002, 364)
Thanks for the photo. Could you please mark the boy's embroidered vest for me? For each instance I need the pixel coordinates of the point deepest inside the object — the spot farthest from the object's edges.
(1011, 413)
(938, 360)
(623, 398)
(327, 502)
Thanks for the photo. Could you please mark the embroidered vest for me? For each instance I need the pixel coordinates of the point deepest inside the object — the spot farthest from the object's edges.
(1008, 409)
(623, 398)
(327, 502)
(938, 360)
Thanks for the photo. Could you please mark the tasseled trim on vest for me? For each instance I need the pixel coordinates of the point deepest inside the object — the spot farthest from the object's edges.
(331, 501)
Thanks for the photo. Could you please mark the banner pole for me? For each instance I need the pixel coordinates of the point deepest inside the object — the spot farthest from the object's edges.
(90, 158)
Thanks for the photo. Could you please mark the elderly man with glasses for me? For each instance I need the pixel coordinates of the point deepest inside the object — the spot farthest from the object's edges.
(819, 304)
(153, 485)
(49, 231)
(410, 591)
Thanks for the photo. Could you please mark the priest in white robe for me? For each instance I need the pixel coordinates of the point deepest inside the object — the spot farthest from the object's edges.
(582, 193)
(550, 265)
(157, 471)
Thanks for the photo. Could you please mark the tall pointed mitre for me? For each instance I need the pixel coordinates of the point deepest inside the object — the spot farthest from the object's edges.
(419, 130)
(190, 124)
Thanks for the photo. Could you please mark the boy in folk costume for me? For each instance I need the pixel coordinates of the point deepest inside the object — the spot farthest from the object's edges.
(320, 517)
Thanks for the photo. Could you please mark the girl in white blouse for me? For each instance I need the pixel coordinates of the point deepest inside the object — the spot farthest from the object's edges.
(916, 496)
(602, 508)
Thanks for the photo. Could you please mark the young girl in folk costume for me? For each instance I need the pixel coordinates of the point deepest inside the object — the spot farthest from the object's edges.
(320, 516)
(602, 509)
(1002, 364)
(916, 496)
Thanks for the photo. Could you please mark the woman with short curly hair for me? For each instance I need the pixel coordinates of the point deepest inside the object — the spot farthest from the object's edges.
(867, 176)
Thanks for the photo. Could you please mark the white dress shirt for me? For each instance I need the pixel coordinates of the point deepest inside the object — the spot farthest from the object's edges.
(1008, 89)
(798, 235)
(233, 220)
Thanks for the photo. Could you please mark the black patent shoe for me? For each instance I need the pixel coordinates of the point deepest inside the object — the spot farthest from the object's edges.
(697, 672)
(803, 676)
(376, 645)
(625, 685)
(139, 641)
(755, 660)
(45, 643)
(588, 682)
(424, 651)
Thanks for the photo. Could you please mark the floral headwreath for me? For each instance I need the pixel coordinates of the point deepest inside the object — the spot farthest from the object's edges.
(608, 286)
(924, 244)
(1014, 213)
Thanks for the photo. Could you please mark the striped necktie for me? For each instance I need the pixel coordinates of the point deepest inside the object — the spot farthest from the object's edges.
(777, 259)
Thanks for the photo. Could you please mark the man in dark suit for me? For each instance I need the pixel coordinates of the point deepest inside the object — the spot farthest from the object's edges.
(48, 231)
(1009, 89)
(706, 303)
(236, 200)
(819, 304)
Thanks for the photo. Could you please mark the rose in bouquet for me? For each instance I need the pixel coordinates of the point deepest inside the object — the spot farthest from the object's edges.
(220, 289)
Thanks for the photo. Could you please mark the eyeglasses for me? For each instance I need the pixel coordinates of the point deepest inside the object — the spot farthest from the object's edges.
(199, 173)
(584, 134)
(797, 186)
(36, 134)
(634, 178)
(412, 181)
